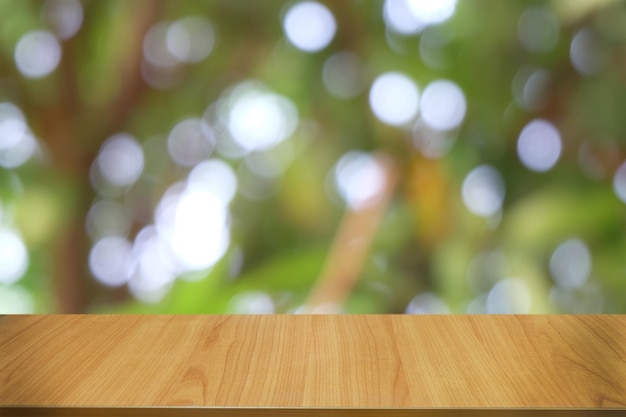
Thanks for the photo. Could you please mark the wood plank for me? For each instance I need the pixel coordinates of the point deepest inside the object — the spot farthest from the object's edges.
(331, 365)
(297, 412)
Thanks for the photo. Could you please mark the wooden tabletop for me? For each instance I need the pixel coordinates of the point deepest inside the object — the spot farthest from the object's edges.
(303, 365)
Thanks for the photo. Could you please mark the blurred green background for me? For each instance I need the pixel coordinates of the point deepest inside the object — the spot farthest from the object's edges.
(300, 156)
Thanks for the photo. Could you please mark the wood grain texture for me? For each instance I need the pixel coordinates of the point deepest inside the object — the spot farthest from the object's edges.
(429, 364)
(298, 412)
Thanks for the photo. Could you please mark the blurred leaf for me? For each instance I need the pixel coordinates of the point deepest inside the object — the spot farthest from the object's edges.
(538, 222)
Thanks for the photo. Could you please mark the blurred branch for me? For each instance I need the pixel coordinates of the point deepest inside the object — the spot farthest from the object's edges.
(351, 246)
(74, 156)
(119, 110)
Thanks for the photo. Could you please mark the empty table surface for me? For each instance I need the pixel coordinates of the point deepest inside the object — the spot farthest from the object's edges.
(407, 364)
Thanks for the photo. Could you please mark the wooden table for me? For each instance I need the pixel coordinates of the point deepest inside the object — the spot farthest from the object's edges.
(312, 365)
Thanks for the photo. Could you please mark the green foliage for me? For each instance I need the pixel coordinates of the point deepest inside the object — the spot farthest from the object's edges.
(284, 217)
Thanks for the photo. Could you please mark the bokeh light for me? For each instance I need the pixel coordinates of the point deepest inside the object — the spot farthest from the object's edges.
(110, 261)
(176, 147)
(15, 299)
(394, 98)
(156, 266)
(14, 257)
(538, 29)
(19, 153)
(411, 16)
(509, 296)
(259, 119)
(309, 26)
(252, 303)
(190, 141)
(190, 39)
(587, 52)
(155, 48)
(193, 223)
(432, 12)
(427, 303)
(530, 86)
(12, 125)
(619, 182)
(539, 145)
(483, 191)
(121, 160)
(200, 236)
(570, 264)
(399, 17)
(214, 176)
(443, 105)
(64, 16)
(17, 144)
(359, 179)
(37, 54)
